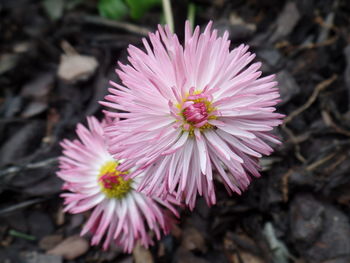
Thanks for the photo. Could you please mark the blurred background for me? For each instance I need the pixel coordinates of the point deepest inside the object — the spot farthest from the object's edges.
(56, 57)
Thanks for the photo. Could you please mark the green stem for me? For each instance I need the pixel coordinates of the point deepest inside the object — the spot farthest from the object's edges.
(168, 14)
(15, 233)
(191, 14)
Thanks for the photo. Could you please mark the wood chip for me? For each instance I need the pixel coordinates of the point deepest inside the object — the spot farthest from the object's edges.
(246, 258)
(75, 67)
(70, 248)
(193, 240)
(142, 255)
(49, 242)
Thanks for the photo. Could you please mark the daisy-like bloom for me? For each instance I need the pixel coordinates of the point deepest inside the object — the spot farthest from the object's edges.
(119, 213)
(188, 109)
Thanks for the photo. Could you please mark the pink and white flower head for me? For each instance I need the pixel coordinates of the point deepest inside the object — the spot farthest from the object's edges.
(188, 109)
(119, 212)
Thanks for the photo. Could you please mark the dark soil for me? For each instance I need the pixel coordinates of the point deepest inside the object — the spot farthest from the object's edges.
(298, 211)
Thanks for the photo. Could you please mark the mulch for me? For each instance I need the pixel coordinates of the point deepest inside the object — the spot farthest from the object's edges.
(298, 211)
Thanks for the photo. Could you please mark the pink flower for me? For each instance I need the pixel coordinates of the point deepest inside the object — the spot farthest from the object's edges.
(188, 109)
(119, 213)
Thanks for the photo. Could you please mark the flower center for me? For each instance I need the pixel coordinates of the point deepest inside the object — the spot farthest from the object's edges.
(196, 111)
(196, 114)
(111, 181)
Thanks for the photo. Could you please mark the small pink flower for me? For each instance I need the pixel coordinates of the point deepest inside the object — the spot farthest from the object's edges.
(186, 110)
(119, 212)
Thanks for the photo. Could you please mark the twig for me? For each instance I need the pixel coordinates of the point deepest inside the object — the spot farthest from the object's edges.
(335, 164)
(330, 122)
(168, 14)
(16, 169)
(19, 206)
(295, 141)
(321, 86)
(285, 181)
(316, 164)
(116, 24)
(327, 42)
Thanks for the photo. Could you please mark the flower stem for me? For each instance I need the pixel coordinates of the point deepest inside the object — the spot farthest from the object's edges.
(168, 14)
(191, 14)
(15, 233)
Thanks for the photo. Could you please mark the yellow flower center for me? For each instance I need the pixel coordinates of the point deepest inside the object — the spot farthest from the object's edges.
(111, 181)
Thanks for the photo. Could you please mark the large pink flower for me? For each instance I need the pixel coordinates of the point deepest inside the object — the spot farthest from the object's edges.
(119, 213)
(188, 109)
